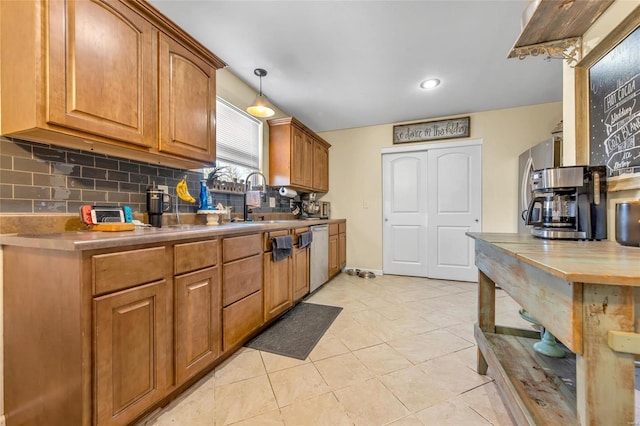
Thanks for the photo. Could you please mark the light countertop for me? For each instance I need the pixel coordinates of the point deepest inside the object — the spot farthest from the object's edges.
(91, 240)
(603, 262)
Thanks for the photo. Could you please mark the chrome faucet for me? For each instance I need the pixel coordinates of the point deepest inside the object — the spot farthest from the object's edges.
(246, 181)
(246, 185)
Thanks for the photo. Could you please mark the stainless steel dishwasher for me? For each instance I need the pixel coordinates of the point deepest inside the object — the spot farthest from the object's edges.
(319, 262)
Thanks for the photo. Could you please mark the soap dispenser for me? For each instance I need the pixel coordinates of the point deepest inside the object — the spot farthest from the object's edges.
(204, 195)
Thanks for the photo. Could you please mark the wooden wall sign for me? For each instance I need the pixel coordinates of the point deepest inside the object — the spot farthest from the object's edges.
(432, 130)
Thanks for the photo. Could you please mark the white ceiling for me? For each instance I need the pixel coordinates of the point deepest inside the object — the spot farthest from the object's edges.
(344, 64)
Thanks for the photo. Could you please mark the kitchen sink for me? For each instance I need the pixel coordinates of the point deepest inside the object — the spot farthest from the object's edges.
(169, 228)
(258, 222)
(185, 226)
(193, 227)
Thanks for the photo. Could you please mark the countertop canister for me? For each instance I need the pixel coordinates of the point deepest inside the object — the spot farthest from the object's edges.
(628, 223)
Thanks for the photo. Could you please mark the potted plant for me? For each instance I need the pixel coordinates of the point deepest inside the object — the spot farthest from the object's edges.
(215, 176)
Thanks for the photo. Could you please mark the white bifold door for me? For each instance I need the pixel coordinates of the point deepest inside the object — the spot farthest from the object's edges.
(431, 198)
(404, 200)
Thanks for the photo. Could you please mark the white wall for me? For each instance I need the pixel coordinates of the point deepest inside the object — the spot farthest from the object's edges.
(355, 159)
(355, 173)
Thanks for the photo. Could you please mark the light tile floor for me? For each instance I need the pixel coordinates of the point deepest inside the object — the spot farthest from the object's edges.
(400, 353)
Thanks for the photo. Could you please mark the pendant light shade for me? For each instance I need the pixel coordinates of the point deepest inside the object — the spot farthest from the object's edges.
(261, 107)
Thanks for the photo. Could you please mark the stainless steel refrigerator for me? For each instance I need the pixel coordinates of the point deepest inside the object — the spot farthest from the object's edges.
(541, 156)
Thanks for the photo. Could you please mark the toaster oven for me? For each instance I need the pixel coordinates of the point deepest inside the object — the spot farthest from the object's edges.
(325, 209)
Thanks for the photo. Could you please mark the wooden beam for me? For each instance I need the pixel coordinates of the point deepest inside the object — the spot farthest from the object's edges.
(623, 341)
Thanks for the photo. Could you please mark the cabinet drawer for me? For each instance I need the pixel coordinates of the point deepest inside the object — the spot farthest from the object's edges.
(333, 229)
(238, 247)
(296, 234)
(193, 256)
(115, 271)
(267, 246)
(241, 278)
(241, 318)
(342, 227)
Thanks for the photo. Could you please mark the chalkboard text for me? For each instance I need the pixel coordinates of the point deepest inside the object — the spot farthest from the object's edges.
(614, 105)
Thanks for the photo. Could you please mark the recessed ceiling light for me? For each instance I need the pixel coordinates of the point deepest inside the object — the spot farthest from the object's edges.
(430, 84)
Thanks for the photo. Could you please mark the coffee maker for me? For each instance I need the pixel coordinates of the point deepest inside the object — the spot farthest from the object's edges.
(310, 206)
(569, 203)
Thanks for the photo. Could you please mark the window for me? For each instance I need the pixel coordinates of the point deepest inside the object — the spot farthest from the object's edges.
(238, 140)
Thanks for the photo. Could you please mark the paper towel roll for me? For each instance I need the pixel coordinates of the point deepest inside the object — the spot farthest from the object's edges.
(287, 192)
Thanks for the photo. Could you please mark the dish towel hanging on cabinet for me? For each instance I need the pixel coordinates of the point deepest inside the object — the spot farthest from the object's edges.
(305, 239)
(282, 247)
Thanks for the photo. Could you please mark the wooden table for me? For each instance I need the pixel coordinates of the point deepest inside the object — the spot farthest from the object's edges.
(588, 295)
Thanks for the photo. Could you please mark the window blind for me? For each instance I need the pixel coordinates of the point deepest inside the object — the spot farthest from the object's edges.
(238, 136)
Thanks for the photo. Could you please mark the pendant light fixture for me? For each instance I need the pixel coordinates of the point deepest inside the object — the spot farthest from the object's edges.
(261, 107)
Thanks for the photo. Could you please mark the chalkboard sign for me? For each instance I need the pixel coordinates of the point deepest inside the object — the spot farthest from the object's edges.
(614, 108)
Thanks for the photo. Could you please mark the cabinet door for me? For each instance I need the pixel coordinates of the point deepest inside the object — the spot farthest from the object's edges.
(300, 273)
(197, 318)
(301, 158)
(297, 147)
(334, 265)
(320, 167)
(342, 250)
(278, 296)
(187, 102)
(307, 161)
(132, 352)
(101, 70)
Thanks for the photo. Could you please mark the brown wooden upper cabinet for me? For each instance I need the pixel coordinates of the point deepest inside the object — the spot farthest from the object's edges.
(99, 61)
(298, 157)
(113, 77)
(320, 167)
(187, 83)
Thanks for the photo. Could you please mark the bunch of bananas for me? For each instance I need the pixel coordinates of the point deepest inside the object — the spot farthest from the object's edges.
(183, 191)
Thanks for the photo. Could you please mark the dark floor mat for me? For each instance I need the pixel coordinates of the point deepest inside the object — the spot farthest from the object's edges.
(297, 332)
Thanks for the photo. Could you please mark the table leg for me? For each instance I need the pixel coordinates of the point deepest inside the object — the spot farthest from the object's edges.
(486, 313)
(604, 377)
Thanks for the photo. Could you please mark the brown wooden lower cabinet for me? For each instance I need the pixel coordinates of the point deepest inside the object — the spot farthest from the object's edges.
(342, 244)
(132, 352)
(300, 273)
(334, 262)
(241, 318)
(198, 322)
(243, 310)
(337, 247)
(102, 336)
(278, 296)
